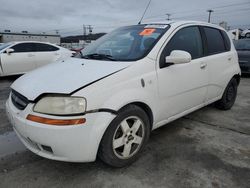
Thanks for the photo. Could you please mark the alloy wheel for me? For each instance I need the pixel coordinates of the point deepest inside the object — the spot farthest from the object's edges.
(128, 137)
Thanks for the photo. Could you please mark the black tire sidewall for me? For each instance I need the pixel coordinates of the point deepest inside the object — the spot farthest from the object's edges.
(106, 152)
(223, 103)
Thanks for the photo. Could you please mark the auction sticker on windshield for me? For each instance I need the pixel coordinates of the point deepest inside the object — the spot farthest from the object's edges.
(147, 32)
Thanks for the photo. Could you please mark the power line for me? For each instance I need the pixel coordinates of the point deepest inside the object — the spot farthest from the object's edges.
(231, 5)
(222, 9)
(195, 10)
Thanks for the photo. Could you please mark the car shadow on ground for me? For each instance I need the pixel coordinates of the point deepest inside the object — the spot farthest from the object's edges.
(245, 75)
(10, 78)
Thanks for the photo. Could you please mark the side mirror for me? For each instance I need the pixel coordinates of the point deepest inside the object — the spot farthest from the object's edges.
(178, 57)
(9, 51)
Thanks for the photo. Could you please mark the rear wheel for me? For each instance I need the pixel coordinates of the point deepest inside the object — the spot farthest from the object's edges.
(125, 137)
(229, 96)
(248, 35)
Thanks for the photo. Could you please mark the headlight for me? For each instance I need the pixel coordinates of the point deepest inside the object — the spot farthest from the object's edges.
(61, 105)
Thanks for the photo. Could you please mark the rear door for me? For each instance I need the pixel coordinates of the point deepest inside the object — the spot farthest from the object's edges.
(182, 86)
(219, 59)
(46, 54)
(20, 61)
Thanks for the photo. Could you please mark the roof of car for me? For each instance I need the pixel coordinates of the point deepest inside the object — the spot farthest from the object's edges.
(183, 22)
(18, 42)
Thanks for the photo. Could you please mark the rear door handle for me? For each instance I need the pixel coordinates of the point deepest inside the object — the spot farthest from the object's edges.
(203, 65)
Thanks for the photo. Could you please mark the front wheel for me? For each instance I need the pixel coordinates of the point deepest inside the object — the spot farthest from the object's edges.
(125, 137)
(229, 96)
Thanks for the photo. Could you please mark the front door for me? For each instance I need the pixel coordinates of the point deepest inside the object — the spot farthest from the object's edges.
(20, 61)
(182, 86)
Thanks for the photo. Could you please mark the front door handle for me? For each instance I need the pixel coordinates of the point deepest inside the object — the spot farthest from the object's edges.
(203, 65)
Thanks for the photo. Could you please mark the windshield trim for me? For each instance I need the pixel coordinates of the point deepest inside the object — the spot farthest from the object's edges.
(150, 49)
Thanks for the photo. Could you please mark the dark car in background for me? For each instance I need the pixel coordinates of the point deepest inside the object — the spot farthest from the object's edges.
(243, 49)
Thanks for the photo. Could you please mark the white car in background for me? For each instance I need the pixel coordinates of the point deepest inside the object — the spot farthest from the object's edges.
(21, 57)
(246, 33)
(128, 82)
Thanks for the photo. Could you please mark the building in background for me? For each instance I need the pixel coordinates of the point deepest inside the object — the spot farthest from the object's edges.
(8, 36)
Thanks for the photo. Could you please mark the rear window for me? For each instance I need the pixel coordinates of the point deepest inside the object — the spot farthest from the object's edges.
(215, 42)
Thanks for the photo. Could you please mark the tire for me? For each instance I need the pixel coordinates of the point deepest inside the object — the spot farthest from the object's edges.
(247, 35)
(125, 137)
(229, 96)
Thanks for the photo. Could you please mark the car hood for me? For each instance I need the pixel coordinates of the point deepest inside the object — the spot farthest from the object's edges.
(65, 77)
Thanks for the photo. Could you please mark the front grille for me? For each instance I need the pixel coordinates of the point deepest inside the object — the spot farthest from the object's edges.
(19, 101)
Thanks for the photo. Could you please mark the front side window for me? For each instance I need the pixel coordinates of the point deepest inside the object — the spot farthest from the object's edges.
(24, 47)
(126, 44)
(187, 39)
(215, 42)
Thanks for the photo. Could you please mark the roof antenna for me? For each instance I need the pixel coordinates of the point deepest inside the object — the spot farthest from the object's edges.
(144, 12)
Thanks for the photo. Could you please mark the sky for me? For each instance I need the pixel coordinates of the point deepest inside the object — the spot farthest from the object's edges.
(68, 16)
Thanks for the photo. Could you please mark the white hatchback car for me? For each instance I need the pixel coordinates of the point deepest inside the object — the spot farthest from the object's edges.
(129, 82)
(21, 57)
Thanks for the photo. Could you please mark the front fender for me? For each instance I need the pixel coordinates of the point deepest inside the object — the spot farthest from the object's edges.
(123, 98)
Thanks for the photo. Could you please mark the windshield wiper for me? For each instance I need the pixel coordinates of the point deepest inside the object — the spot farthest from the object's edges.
(99, 56)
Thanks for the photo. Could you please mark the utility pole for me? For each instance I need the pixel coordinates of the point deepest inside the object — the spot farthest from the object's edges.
(168, 15)
(90, 28)
(209, 14)
(84, 32)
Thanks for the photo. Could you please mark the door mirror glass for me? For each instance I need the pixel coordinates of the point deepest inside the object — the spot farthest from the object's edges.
(178, 57)
(9, 51)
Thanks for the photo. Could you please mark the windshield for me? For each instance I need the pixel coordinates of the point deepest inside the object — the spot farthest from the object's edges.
(242, 45)
(126, 43)
(5, 45)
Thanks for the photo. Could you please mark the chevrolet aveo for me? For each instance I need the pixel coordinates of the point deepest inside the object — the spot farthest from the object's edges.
(127, 83)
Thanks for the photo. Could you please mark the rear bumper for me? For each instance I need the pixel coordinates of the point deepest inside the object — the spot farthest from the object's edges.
(78, 143)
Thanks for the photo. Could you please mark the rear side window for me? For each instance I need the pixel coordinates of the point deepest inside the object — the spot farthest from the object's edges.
(45, 47)
(215, 42)
(187, 39)
(24, 47)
